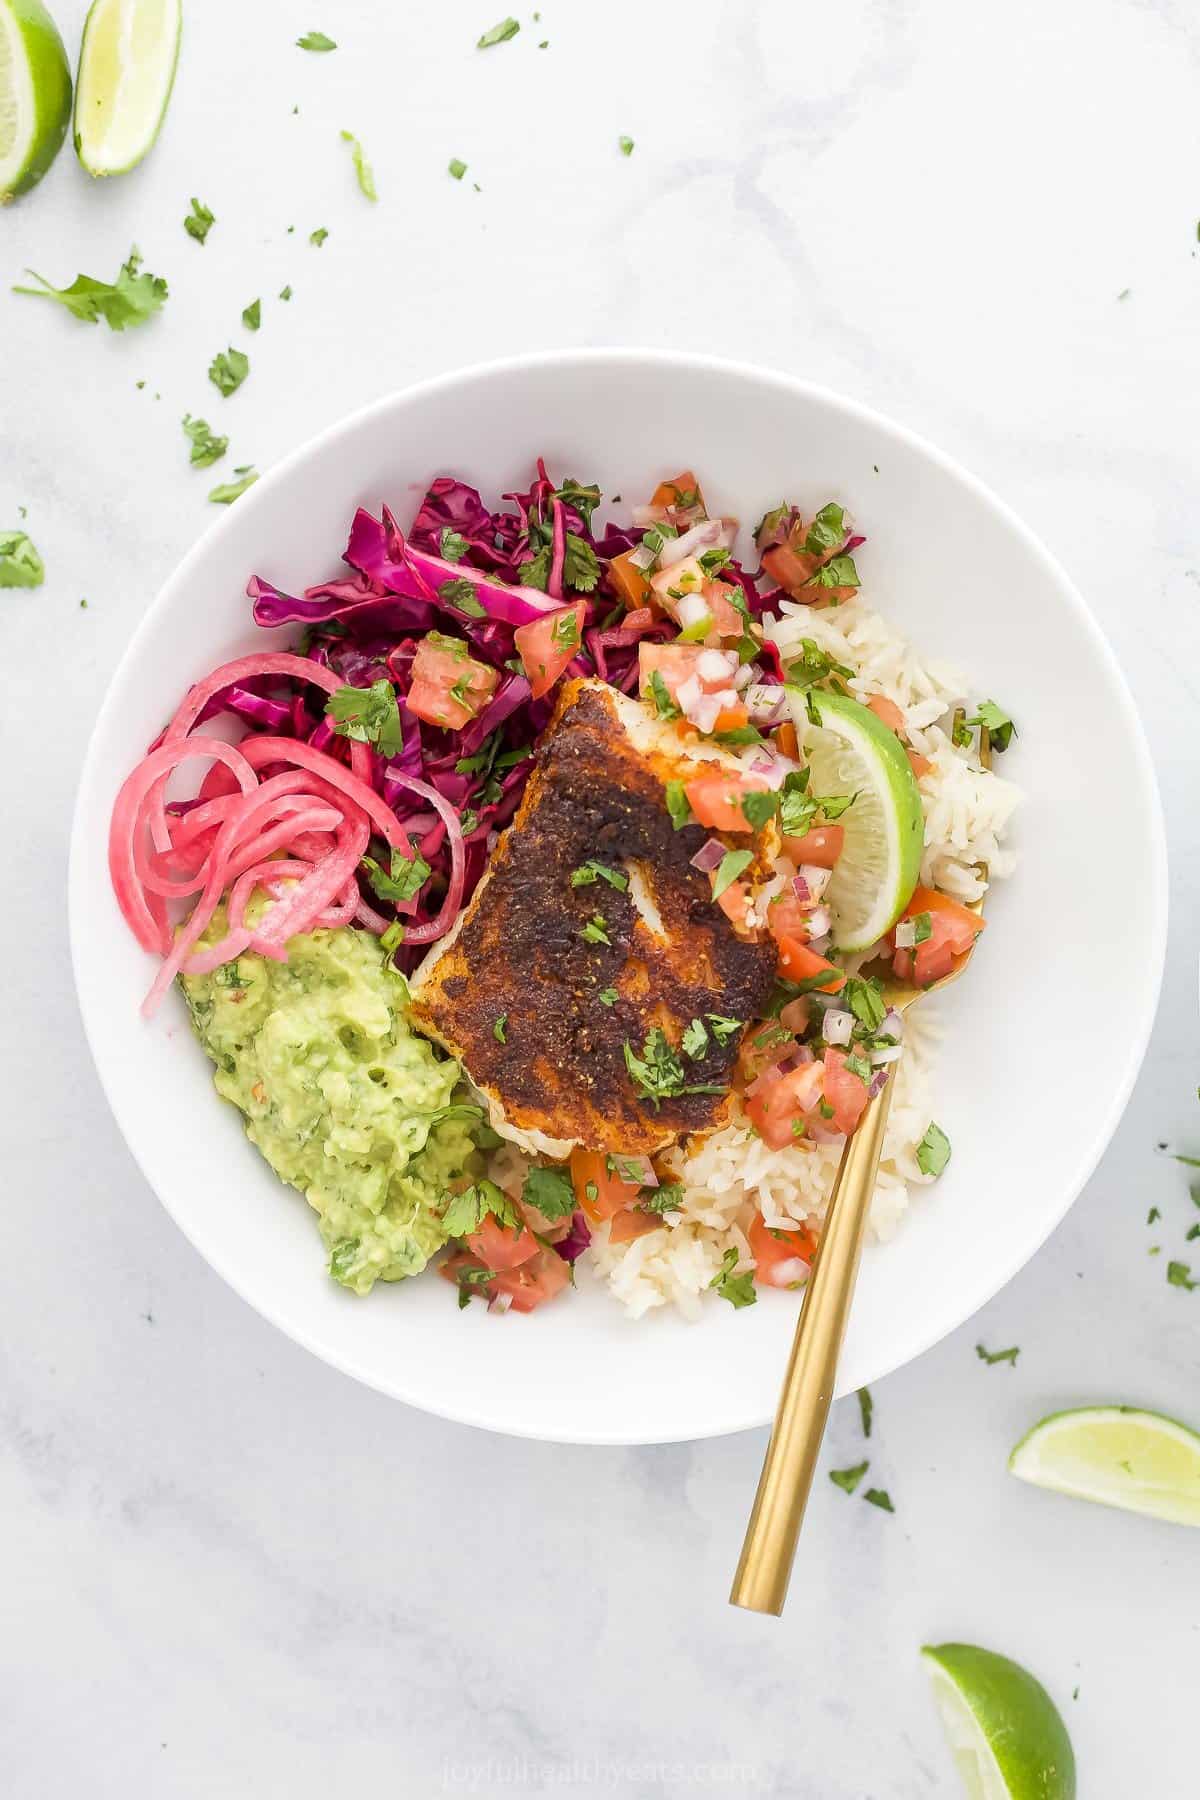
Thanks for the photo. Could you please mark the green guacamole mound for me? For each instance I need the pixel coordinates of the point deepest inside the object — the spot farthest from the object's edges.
(343, 1099)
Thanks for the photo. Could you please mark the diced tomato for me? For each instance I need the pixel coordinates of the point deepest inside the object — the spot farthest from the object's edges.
(790, 568)
(921, 765)
(683, 492)
(553, 1230)
(540, 1279)
(888, 711)
(782, 1102)
(716, 799)
(786, 917)
(731, 718)
(631, 1224)
(844, 1091)
(776, 1253)
(501, 1246)
(641, 618)
(627, 582)
(728, 622)
(799, 963)
(796, 1015)
(678, 582)
(734, 902)
(676, 663)
(786, 741)
(599, 1192)
(953, 930)
(448, 686)
(547, 646)
(762, 1047)
(821, 847)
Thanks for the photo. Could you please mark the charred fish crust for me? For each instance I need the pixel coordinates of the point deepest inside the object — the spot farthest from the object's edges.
(550, 979)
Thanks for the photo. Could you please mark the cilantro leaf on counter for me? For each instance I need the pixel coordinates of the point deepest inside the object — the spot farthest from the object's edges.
(252, 315)
(625, 145)
(227, 371)
(315, 40)
(881, 1498)
(456, 167)
(199, 221)
(130, 300)
(362, 168)
(317, 237)
(998, 1356)
(206, 449)
(227, 492)
(20, 564)
(498, 34)
(848, 1479)
(367, 716)
(737, 1289)
(1179, 1274)
(866, 1409)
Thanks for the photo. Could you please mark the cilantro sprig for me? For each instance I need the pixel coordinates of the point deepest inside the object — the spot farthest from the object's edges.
(367, 716)
(20, 564)
(130, 300)
(737, 1289)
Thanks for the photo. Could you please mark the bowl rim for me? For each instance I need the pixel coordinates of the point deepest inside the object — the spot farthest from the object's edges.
(700, 364)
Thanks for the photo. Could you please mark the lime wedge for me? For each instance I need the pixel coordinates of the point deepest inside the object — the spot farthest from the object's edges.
(35, 95)
(1005, 1733)
(1118, 1455)
(126, 71)
(853, 752)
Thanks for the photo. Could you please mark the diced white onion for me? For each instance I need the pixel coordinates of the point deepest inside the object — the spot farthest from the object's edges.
(688, 694)
(818, 879)
(500, 1303)
(744, 676)
(644, 557)
(893, 1024)
(906, 934)
(889, 1053)
(715, 665)
(708, 535)
(820, 922)
(788, 1272)
(692, 610)
(837, 1026)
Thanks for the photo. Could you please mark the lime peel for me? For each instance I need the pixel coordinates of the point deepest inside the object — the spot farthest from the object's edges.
(1123, 1456)
(35, 95)
(1005, 1733)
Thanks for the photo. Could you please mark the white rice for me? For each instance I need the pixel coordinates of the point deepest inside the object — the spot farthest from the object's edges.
(731, 1174)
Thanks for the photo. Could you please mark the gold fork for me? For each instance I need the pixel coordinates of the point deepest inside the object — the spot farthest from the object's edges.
(765, 1565)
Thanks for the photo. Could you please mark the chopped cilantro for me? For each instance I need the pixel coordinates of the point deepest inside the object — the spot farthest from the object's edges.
(500, 1029)
(813, 665)
(864, 997)
(999, 726)
(608, 996)
(452, 545)
(551, 1191)
(737, 1289)
(317, 237)
(827, 531)
(1179, 1274)
(584, 497)
(695, 1040)
(881, 1498)
(625, 145)
(596, 930)
(665, 1199)
(632, 1170)
(658, 1074)
(466, 1212)
(227, 371)
(456, 167)
(199, 221)
(592, 1192)
(285, 293)
(960, 737)
(592, 871)
(206, 449)
(858, 1065)
(758, 808)
(392, 938)
(564, 633)
(933, 1151)
(922, 925)
(20, 564)
(581, 567)
(342, 1258)
(405, 878)
(722, 1028)
(252, 315)
(677, 804)
(732, 864)
(470, 1281)
(838, 572)
(740, 734)
(834, 805)
(998, 1356)
(663, 705)
(130, 300)
(367, 716)
(315, 40)
(1152, 1215)
(460, 594)
(227, 492)
(498, 34)
(362, 168)
(866, 1410)
(848, 1479)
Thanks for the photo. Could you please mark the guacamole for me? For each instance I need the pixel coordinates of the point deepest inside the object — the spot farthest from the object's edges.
(343, 1100)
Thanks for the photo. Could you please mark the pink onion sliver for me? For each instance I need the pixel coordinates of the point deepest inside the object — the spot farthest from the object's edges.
(366, 915)
(801, 889)
(343, 912)
(229, 948)
(321, 885)
(559, 553)
(878, 1083)
(149, 925)
(709, 856)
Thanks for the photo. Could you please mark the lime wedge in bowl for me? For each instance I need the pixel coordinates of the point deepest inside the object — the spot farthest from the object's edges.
(1005, 1733)
(851, 752)
(1119, 1456)
(126, 72)
(35, 95)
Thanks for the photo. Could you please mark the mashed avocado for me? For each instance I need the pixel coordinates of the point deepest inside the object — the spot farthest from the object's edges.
(343, 1100)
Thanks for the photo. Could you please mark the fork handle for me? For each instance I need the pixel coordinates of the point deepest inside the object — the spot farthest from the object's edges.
(765, 1565)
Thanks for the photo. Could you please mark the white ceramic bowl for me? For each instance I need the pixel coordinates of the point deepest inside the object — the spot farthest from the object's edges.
(1044, 1038)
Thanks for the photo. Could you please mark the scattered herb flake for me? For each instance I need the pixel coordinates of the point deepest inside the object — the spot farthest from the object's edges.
(285, 293)
(592, 871)
(1153, 1215)
(678, 805)
(206, 449)
(596, 930)
(227, 492)
(499, 34)
(550, 1191)
(367, 716)
(460, 594)
(737, 1289)
(757, 808)
(457, 168)
(404, 879)
(848, 1479)
(695, 1040)
(732, 864)
(20, 564)
(315, 40)
(608, 996)
(663, 705)
(625, 145)
(881, 1498)
(130, 300)
(252, 315)
(998, 1356)
(199, 221)
(362, 168)
(866, 1410)
(1179, 1274)
(933, 1151)
(722, 1028)
(500, 1029)
(317, 237)
(452, 545)
(227, 371)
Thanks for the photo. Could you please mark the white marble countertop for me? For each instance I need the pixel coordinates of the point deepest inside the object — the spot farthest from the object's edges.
(227, 1570)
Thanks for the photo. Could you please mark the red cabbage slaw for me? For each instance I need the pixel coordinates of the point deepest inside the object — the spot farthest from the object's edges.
(301, 786)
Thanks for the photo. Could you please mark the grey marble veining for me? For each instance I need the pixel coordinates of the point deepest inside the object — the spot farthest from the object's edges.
(226, 1570)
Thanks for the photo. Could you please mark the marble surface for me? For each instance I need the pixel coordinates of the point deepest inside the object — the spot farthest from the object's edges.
(226, 1570)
